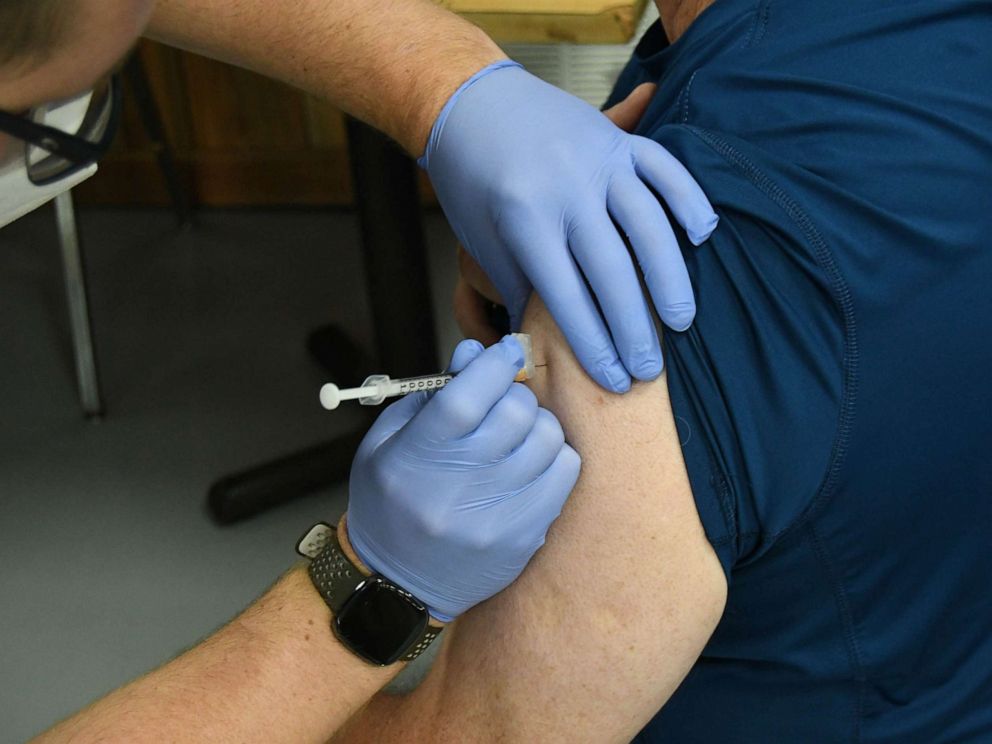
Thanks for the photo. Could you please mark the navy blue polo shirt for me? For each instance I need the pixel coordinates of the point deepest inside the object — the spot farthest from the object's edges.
(835, 391)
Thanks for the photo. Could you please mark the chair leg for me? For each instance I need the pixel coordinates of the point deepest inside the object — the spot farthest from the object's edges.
(151, 117)
(79, 313)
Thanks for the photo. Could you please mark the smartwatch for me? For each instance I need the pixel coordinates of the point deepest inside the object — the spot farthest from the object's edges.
(377, 620)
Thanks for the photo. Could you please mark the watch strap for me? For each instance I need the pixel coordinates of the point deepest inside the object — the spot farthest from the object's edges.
(431, 632)
(336, 578)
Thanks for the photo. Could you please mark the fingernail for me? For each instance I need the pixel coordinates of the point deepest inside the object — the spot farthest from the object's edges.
(645, 360)
(618, 377)
(698, 237)
(679, 315)
(648, 369)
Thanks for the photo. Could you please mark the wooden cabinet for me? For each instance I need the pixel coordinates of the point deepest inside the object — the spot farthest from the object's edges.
(577, 21)
(241, 139)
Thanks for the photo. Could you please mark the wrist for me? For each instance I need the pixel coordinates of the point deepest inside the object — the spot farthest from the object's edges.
(349, 549)
(436, 128)
(363, 566)
(374, 618)
(460, 62)
(291, 624)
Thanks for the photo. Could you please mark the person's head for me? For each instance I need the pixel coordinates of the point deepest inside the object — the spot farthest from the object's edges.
(53, 49)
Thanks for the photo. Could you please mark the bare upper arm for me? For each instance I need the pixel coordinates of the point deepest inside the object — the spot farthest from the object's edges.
(609, 616)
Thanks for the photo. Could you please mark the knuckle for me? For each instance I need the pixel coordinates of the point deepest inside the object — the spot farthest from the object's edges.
(548, 429)
(651, 268)
(482, 540)
(571, 459)
(645, 148)
(517, 197)
(525, 395)
(641, 348)
(485, 542)
(590, 342)
(561, 150)
(568, 467)
(433, 523)
(519, 406)
(384, 476)
(455, 410)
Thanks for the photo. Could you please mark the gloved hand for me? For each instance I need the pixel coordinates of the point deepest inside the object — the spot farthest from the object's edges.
(452, 494)
(529, 177)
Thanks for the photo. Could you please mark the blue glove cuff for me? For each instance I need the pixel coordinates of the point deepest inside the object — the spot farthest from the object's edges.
(424, 160)
(440, 616)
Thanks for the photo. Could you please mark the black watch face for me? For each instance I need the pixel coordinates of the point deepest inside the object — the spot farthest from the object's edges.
(380, 622)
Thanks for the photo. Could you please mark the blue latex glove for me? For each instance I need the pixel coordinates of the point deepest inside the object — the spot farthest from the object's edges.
(452, 494)
(529, 177)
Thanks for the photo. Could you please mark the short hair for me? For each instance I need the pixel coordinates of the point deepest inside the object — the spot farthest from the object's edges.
(31, 29)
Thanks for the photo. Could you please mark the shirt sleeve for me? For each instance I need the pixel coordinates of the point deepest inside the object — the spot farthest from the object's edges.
(757, 383)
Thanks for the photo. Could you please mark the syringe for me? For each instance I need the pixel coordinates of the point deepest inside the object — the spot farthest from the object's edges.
(377, 388)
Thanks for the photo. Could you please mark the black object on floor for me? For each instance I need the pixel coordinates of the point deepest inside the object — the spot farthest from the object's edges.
(344, 361)
(245, 494)
(385, 183)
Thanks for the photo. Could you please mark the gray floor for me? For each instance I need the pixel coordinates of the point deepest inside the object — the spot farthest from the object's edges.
(109, 564)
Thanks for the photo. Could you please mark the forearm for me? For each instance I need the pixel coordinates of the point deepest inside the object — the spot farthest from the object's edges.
(274, 674)
(391, 63)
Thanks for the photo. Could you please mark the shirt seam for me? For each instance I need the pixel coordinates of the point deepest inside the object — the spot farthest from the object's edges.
(720, 542)
(718, 482)
(685, 97)
(758, 26)
(851, 641)
(753, 36)
(841, 295)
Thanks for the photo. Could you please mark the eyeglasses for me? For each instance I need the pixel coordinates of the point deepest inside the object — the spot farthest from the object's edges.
(52, 154)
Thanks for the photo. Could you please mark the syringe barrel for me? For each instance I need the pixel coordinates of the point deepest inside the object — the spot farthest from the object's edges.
(422, 383)
(377, 388)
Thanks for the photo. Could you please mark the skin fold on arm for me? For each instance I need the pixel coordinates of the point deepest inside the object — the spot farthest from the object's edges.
(611, 613)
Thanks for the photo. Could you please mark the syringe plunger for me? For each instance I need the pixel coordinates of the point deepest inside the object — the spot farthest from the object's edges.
(377, 388)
